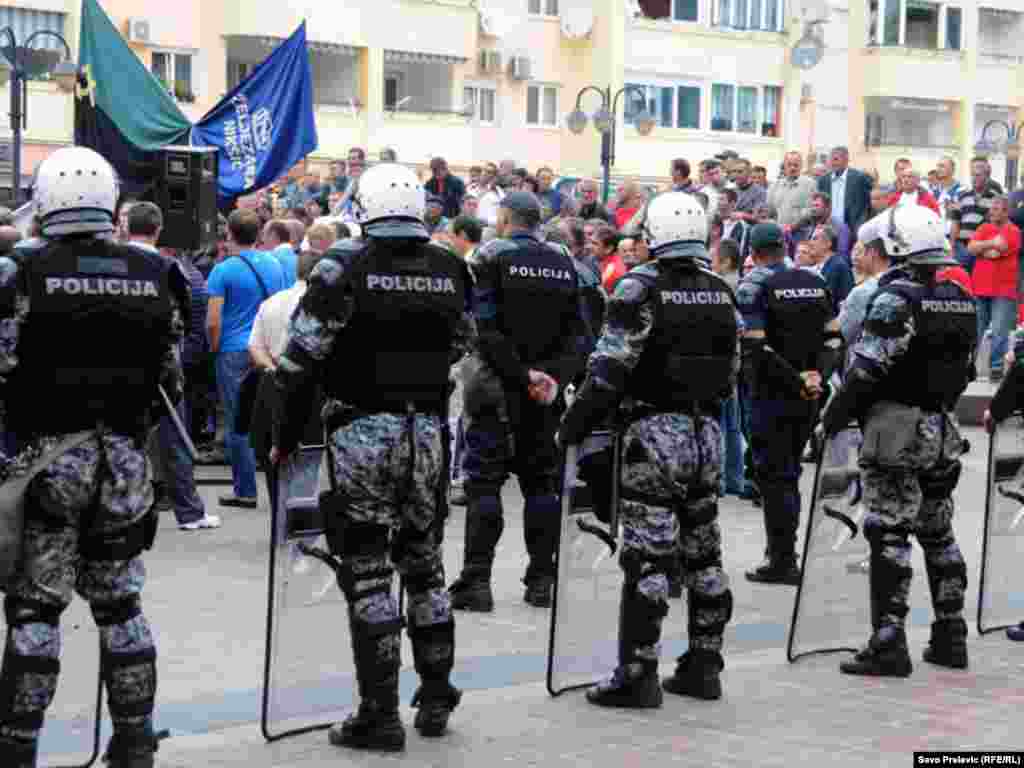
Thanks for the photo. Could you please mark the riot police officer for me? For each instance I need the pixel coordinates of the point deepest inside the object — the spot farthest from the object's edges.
(381, 322)
(89, 511)
(909, 368)
(790, 346)
(669, 350)
(532, 339)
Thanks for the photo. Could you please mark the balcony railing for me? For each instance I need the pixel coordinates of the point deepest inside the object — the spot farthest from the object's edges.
(998, 59)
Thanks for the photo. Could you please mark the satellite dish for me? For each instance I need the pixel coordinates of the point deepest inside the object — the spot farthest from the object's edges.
(808, 51)
(492, 21)
(577, 18)
(812, 11)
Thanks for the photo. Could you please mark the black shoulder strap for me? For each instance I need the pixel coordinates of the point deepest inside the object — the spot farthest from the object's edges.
(263, 286)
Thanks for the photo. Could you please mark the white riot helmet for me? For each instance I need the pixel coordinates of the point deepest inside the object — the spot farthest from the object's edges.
(675, 217)
(75, 192)
(911, 233)
(390, 203)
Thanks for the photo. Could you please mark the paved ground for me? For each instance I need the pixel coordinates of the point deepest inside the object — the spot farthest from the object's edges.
(207, 595)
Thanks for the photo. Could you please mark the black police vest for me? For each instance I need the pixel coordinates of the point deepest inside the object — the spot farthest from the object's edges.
(689, 356)
(799, 306)
(936, 368)
(395, 349)
(92, 347)
(539, 299)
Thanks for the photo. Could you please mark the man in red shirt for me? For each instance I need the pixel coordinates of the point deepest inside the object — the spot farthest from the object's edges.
(996, 246)
(910, 191)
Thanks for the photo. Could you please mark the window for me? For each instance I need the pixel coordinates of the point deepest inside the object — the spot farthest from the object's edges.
(752, 109)
(237, 72)
(542, 105)
(954, 25)
(482, 100)
(766, 15)
(684, 10)
(543, 7)
(723, 107)
(174, 70)
(929, 24)
(673, 106)
(392, 90)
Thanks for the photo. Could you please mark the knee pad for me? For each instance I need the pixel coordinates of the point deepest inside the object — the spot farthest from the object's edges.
(715, 610)
(940, 482)
(122, 544)
(644, 605)
(349, 539)
(698, 510)
(116, 612)
(637, 566)
(19, 612)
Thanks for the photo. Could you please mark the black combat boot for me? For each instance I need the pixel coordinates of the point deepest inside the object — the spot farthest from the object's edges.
(132, 749)
(948, 644)
(435, 702)
(697, 675)
(776, 571)
(17, 755)
(886, 655)
(469, 593)
(633, 686)
(375, 726)
(538, 591)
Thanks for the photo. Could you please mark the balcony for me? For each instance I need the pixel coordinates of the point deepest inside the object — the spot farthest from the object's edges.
(339, 128)
(919, 129)
(999, 55)
(419, 136)
(926, 73)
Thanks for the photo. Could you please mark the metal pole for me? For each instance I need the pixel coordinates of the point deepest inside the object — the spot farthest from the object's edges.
(16, 130)
(606, 164)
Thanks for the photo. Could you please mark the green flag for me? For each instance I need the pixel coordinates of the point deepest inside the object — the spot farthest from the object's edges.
(122, 111)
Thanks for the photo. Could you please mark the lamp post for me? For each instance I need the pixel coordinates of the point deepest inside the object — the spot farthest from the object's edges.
(22, 68)
(604, 122)
(1010, 146)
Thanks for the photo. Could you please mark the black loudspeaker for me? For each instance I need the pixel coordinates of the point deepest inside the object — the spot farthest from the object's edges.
(186, 191)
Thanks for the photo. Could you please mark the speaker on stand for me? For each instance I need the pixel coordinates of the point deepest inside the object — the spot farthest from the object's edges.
(186, 192)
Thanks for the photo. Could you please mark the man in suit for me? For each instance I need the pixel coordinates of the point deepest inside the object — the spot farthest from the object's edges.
(849, 189)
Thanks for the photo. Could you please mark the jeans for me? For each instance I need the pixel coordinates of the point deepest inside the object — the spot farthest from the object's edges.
(963, 256)
(231, 368)
(176, 469)
(732, 447)
(1001, 313)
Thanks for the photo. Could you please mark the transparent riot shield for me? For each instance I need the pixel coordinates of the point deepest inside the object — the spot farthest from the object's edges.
(308, 664)
(72, 731)
(583, 644)
(1001, 588)
(832, 601)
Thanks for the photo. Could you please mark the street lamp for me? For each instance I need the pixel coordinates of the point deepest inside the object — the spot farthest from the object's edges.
(604, 122)
(24, 64)
(1009, 146)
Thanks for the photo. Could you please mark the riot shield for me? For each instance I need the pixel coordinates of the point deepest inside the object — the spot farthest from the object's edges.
(832, 601)
(308, 662)
(583, 644)
(1000, 588)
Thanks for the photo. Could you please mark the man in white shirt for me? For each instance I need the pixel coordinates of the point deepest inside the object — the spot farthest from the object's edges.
(270, 329)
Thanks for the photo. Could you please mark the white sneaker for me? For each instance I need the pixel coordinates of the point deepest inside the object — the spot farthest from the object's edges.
(206, 521)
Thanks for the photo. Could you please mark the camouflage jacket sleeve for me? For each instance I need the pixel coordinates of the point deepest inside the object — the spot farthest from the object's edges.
(629, 321)
(888, 331)
(14, 306)
(323, 311)
(172, 376)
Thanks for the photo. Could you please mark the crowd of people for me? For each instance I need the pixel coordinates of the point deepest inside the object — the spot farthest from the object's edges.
(819, 210)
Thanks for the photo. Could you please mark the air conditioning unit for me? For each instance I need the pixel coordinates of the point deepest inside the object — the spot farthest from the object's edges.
(139, 31)
(519, 68)
(490, 62)
(874, 129)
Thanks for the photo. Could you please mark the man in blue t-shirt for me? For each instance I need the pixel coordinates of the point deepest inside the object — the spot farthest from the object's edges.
(550, 198)
(237, 286)
(277, 240)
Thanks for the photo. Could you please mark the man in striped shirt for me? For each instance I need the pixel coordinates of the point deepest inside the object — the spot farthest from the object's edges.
(971, 209)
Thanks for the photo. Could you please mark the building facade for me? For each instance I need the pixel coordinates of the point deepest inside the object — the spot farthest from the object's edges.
(476, 80)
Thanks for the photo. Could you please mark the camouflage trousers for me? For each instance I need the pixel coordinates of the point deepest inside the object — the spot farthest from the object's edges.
(108, 490)
(915, 498)
(391, 510)
(669, 511)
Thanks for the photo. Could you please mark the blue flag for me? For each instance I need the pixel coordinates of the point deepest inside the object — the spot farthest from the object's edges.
(266, 124)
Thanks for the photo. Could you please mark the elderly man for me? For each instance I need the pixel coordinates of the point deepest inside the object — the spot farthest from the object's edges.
(849, 190)
(791, 195)
(592, 207)
(910, 192)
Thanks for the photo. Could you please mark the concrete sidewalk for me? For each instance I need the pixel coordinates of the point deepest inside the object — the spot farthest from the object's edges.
(206, 598)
